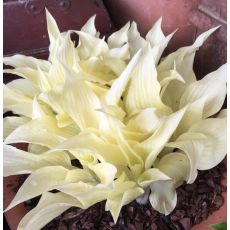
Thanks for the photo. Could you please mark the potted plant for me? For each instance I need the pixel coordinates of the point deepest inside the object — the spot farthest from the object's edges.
(138, 126)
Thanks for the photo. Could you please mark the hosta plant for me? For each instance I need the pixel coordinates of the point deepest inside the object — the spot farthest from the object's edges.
(137, 124)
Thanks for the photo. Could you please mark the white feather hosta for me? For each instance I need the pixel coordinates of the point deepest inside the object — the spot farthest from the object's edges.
(135, 124)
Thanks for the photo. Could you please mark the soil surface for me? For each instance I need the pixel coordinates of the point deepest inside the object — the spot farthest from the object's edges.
(195, 202)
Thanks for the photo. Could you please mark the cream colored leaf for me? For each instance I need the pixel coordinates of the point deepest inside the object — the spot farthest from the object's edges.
(66, 53)
(90, 45)
(16, 102)
(22, 61)
(81, 103)
(87, 193)
(25, 87)
(159, 47)
(163, 197)
(146, 121)
(222, 113)
(193, 149)
(155, 34)
(37, 149)
(184, 58)
(17, 161)
(193, 114)
(105, 172)
(89, 26)
(42, 131)
(11, 123)
(114, 94)
(151, 175)
(214, 98)
(120, 37)
(155, 143)
(29, 74)
(125, 191)
(35, 184)
(115, 205)
(52, 28)
(144, 89)
(134, 39)
(215, 147)
(38, 111)
(132, 156)
(175, 165)
(50, 206)
(119, 53)
(90, 142)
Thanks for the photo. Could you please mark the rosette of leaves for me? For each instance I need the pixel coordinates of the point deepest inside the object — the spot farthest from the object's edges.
(139, 125)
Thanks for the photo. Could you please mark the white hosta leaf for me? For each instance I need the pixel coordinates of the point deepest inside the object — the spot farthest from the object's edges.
(43, 81)
(24, 87)
(193, 149)
(151, 175)
(52, 28)
(215, 148)
(99, 90)
(134, 39)
(175, 165)
(66, 53)
(16, 102)
(11, 123)
(159, 47)
(212, 88)
(124, 192)
(193, 114)
(42, 131)
(119, 53)
(29, 74)
(120, 37)
(145, 121)
(155, 34)
(105, 172)
(117, 66)
(133, 137)
(222, 113)
(166, 77)
(94, 70)
(184, 58)
(132, 156)
(90, 142)
(114, 94)
(35, 184)
(53, 98)
(17, 161)
(144, 89)
(89, 26)
(37, 149)
(81, 103)
(204, 144)
(38, 111)
(87, 193)
(163, 197)
(50, 206)
(22, 61)
(155, 143)
(56, 74)
(90, 45)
